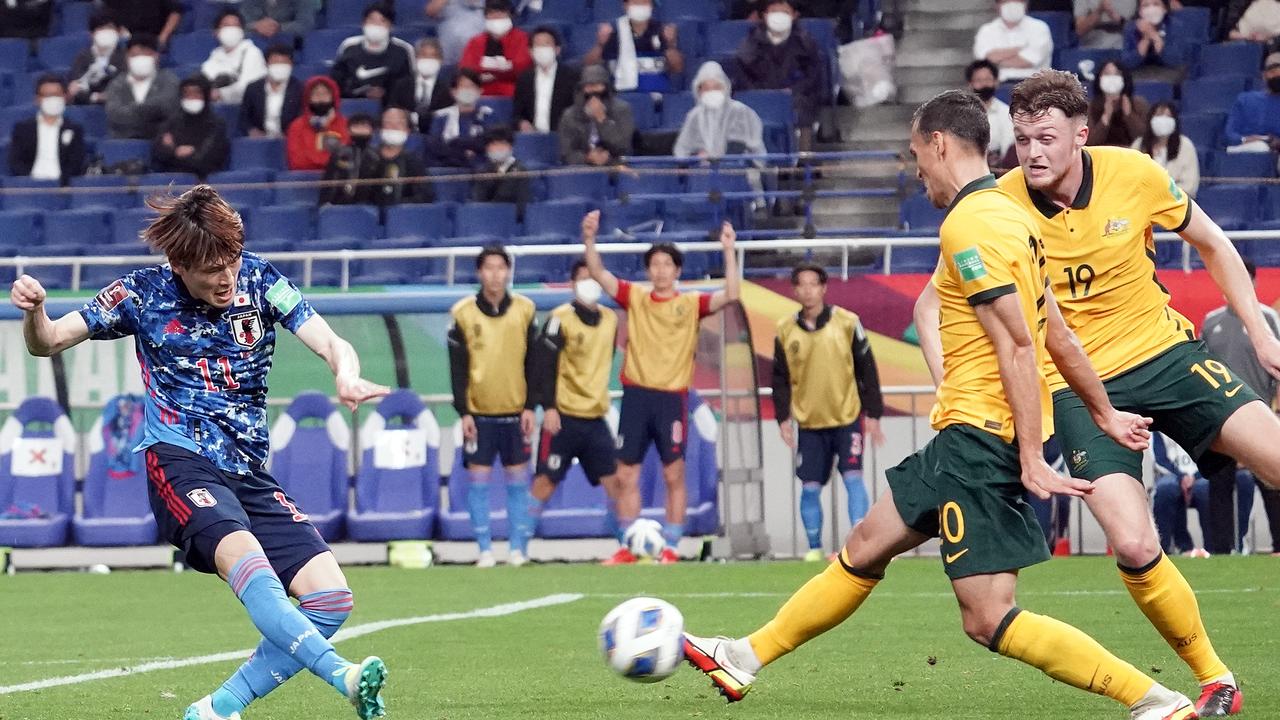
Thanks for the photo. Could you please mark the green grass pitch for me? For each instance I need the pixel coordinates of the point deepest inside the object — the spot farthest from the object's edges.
(901, 656)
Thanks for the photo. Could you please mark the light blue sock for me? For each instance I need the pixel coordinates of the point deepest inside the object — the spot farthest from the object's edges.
(269, 667)
(518, 520)
(536, 507)
(811, 513)
(856, 490)
(615, 526)
(282, 624)
(478, 507)
(672, 532)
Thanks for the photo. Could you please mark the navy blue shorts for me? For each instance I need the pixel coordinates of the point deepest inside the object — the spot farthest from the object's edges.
(590, 441)
(498, 436)
(196, 505)
(657, 415)
(816, 449)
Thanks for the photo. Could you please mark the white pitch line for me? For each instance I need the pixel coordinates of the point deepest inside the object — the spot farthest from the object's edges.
(346, 634)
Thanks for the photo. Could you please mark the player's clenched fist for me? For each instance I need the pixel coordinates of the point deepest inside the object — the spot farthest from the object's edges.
(727, 235)
(590, 226)
(27, 293)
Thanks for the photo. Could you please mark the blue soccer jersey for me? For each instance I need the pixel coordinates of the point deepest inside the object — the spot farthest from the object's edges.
(204, 368)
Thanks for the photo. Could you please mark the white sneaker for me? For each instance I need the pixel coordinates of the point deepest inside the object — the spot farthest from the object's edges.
(516, 558)
(711, 656)
(202, 709)
(486, 560)
(1179, 709)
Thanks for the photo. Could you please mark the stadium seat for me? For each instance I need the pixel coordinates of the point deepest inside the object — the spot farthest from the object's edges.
(398, 484)
(1085, 62)
(309, 458)
(398, 271)
(295, 223)
(115, 151)
(723, 38)
(642, 109)
(247, 196)
(367, 106)
(541, 268)
(56, 53)
(493, 219)
(20, 229)
(25, 193)
(257, 153)
(607, 11)
(556, 218)
(454, 191)
(914, 259)
(93, 118)
(503, 109)
(321, 46)
(537, 149)
(164, 181)
(705, 11)
(691, 40)
(14, 53)
(1061, 27)
(690, 215)
(359, 222)
(1211, 95)
(424, 222)
(674, 107)
(701, 475)
(129, 223)
(89, 227)
(53, 276)
(1204, 129)
(4, 149)
(1243, 164)
(73, 17)
(37, 475)
(823, 32)
(1232, 58)
(343, 14)
(630, 218)
(191, 48)
(586, 185)
(1192, 23)
(116, 510)
(95, 277)
(1271, 202)
(918, 215)
(565, 12)
(1153, 91)
(230, 115)
(1233, 207)
(301, 194)
(649, 180)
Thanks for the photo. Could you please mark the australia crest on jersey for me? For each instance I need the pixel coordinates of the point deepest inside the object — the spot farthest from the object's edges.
(246, 327)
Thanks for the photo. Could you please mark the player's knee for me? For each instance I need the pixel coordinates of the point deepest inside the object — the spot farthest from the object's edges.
(1136, 550)
(980, 626)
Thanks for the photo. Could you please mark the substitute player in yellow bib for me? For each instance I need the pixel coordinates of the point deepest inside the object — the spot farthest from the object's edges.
(1096, 209)
(995, 322)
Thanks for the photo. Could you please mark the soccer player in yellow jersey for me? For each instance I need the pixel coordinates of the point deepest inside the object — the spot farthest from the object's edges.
(996, 321)
(491, 368)
(1096, 208)
(662, 334)
(825, 376)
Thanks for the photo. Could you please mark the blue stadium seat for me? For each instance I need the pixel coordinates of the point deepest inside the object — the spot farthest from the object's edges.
(1080, 60)
(305, 194)
(917, 214)
(4, 157)
(421, 222)
(89, 227)
(1204, 129)
(1205, 95)
(823, 32)
(773, 106)
(249, 153)
(355, 106)
(1153, 91)
(321, 46)
(192, 48)
(73, 17)
(723, 38)
(116, 511)
(348, 221)
(1243, 164)
(555, 218)
(23, 84)
(536, 150)
(398, 484)
(113, 199)
(705, 11)
(311, 462)
(691, 215)
(674, 107)
(1061, 27)
(607, 10)
(94, 277)
(159, 181)
(56, 277)
(400, 271)
(1271, 202)
(565, 12)
(56, 53)
(502, 107)
(246, 197)
(47, 197)
(20, 229)
(11, 116)
(493, 219)
(649, 183)
(914, 259)
(344, 14)
(115, 151)
(1233, 207)
(541, 268)
(578, 186)
(642, 109)
(129, 224)
(92, 117)
(1232, 58)
(1192, 23)
(295, 223)
(230, 115)
(630, 217)
(14, 53)
(37, 469)
(691, 41)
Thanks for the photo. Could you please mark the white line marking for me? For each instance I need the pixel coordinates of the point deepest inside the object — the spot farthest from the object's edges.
(347, 634)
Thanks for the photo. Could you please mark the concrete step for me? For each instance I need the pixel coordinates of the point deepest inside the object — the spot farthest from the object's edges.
(920, 93)
(898, 146)
(856, 205)
(874, 115)
(879, 219)
(932, 75)
(946, 5)
(945, 19)
(931, 39)
(938, 56)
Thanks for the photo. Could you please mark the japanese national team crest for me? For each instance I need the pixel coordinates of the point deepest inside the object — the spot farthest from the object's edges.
(201, 497)
(246, 328)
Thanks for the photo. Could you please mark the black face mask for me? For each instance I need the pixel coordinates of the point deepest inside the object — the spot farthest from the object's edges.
(601, 96)
(1273, 84)
(320, 108)
(985, 93)
(360, 140)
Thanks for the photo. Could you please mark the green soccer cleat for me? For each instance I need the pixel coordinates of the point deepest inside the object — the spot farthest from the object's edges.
(365, 682)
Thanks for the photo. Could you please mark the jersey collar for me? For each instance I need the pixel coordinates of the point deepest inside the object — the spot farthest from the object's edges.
(1049, 208)
(586, 314)
(490, 310)
(819, 322)
(986, 182)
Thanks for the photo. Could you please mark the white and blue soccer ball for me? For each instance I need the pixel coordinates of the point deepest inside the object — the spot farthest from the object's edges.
(643, 639)
(644, 538)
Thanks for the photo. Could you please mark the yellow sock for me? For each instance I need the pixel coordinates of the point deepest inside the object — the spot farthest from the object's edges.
(1166, 599)
(824, 602)
(1068, 655)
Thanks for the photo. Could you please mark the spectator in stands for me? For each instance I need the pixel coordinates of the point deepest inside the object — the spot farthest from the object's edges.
(1017, 44)
(981, 76)
(1254, 122)
(640, 51)
(427, 90)
(1116, 115)
(780, 55)
(370, 63)
(393, 162)
(598, 129)
(500, 53)
(95, 66)
(143, 99)
(269, 18)
(1100, 23)
(320, 129)
(270, 104)
(1165, 143)
(47, 146)
(25, 18)
(158, 18)
(1180, 486)
(1260, 23)
(544, 91)
(455, 135)
(460, 20)
(498, 150)
(1151, 51)
(351, 162)
(196, 140)
(718, 125)
(235, 62)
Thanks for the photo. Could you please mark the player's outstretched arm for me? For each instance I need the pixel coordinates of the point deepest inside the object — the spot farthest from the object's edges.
(928, 317)
(316, 334)
(1020, 375)
(732, 283)
(1068, 355)
(590, 229)
(1224, 264)
(45, 337)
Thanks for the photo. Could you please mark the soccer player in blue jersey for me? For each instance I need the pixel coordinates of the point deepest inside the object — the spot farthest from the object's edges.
(204, 327)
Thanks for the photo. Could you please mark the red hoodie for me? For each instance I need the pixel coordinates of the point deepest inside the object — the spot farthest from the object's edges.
(304, 144)
(499, 83)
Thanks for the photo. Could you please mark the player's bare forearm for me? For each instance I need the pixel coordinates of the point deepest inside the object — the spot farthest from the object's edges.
(1228, 271)
(337, 353)
(46, 337)
(1070, 359)
(732, 282)
(595, 264)
(927, 316)
(1019, 371)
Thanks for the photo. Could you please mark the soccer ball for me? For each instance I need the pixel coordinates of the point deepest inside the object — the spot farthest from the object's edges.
(644, 538)
(642, 639)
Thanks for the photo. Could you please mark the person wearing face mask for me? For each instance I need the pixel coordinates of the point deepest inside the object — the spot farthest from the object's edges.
(271, 103)
(235, 62)
(544, 91)
(641, 52)
(717, 126)
(371, 63)
(779, 55)
(95, 66)
(500, 160)
(1116, 116)
(455, 135)
(392, 161)
(427, 90)
(320, 129)
(351, 162)
(500, 53)
(981, 77)
(1165, 143)
(598, 129)
(196, 140)
(1017, 44)
(1152, 49)
(47, 146)
(144, 98)
(1253, 125)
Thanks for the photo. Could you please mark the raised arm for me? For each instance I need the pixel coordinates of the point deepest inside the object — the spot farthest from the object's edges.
(928, 317)
(45, 337)
(341, 358)
(732, 283)
(590, 228)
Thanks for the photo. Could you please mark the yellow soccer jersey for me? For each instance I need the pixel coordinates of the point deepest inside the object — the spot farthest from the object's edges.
(585, 357)
(819, 363)
(662, 336)
(487, 352)
(1101, 258)
(990, 248)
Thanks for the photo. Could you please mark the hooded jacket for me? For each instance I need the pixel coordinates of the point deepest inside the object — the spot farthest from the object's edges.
(733, 127)
(204, 131)
(579, 132)
(308, 145)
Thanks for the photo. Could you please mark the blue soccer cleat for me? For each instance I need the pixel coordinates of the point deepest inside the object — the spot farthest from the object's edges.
(364, 687)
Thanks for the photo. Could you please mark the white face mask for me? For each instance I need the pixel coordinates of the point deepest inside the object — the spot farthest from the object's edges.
(428, 67)
(498, 27)
(193, 107)
(376, 34)
(391, 136)
(1153, 14)
(544, 55)
(105, 38)
(467, 96)
(713, 99)
(230, 36)
(1111, 84)
(587, 291)
(498, 157)
(1162, 125)
(279, 72)
(639, 13)
(1013, 12)
(52, 106)
(779, 23)
(142, 66)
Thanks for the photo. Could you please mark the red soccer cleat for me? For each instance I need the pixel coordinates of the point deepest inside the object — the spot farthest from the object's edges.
(1219, 700)
(622, 557)
(668, 557)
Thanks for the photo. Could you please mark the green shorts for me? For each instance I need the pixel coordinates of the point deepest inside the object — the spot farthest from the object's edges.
(965, 487)
(1188, 394)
